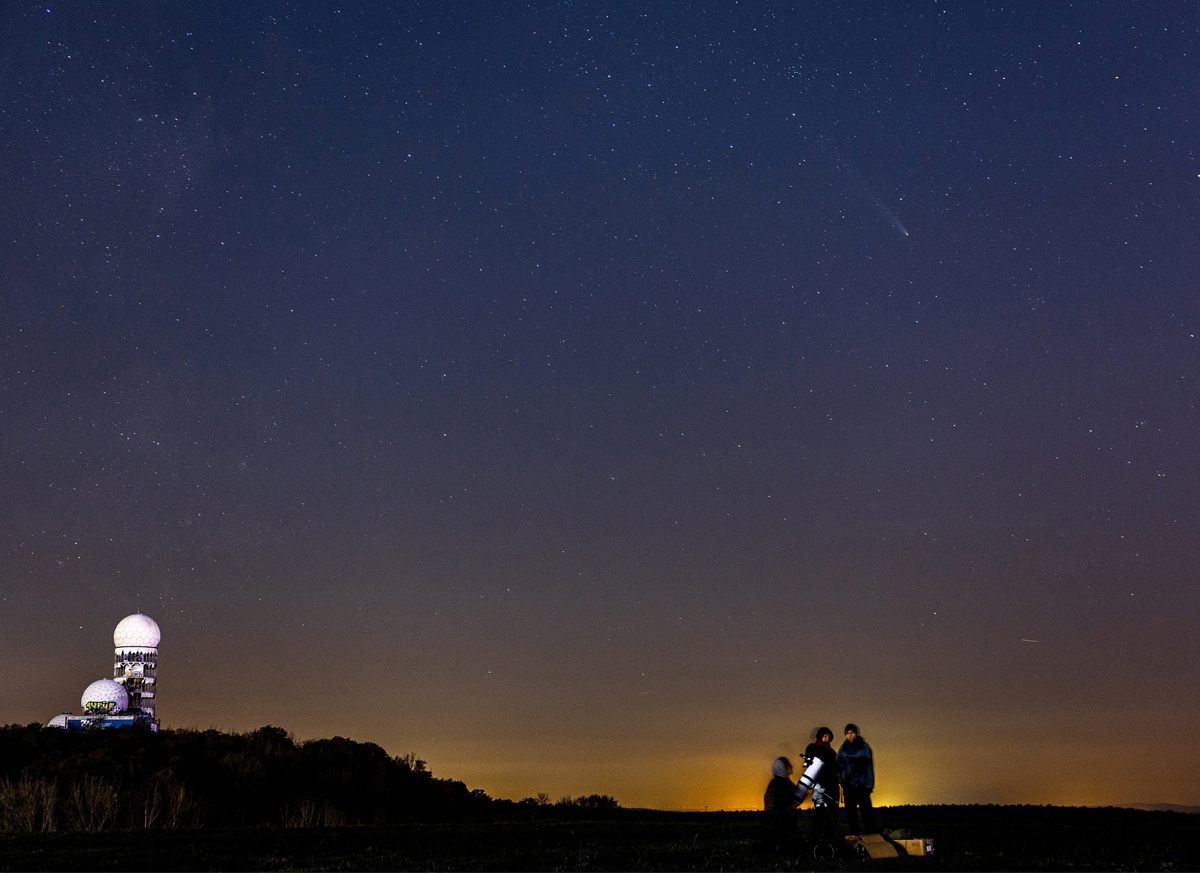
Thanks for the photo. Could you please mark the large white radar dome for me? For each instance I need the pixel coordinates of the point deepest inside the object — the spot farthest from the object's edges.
(105, 696)
(137, 630)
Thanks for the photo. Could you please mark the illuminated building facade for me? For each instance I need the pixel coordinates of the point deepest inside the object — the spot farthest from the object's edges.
(135, 661)
(129, 697)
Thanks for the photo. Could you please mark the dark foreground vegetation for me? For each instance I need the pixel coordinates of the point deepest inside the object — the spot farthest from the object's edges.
(135, 779)
(206, 800)
(965, 838)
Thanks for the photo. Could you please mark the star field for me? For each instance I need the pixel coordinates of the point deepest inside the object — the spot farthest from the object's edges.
(596, 398)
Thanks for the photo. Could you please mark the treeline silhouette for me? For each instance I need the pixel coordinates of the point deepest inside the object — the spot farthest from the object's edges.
(134, 778)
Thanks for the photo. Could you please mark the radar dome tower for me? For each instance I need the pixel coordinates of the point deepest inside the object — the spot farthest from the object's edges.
(135, 662)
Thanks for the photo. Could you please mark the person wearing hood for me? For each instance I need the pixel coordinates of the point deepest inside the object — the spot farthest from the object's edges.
(825, 792)
(780, 803)
(856, 766)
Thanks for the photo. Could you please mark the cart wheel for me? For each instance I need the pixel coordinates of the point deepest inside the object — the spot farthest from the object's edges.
(824, 851)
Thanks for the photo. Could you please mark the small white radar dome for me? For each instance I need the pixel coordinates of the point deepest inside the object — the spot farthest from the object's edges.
(59, 721)
(104, 697)
(137, 630)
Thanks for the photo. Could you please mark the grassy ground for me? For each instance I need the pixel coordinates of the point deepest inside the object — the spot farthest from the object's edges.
(965, 838)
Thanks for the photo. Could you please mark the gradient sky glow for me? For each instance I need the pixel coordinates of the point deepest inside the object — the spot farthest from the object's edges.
(597, 397)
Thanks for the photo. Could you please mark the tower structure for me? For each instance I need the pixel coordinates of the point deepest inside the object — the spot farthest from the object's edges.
(135, 663)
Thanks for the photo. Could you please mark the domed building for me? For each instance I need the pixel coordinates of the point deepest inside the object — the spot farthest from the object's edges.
(128, 698)
(105, 697)
(135, 660)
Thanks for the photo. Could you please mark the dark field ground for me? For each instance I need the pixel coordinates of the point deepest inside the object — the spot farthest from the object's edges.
(965, 838)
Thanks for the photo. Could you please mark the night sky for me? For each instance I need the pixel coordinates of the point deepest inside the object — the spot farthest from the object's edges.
(598, 396)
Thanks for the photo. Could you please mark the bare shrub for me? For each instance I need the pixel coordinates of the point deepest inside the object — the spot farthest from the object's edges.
(148, 805)
(301, 813)
(27, 805)
(48, 790)
(91, 804)
(332, 817)
(178, 806)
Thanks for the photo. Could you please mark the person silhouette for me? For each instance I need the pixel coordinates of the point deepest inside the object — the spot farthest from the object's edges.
(856, 767)
(825, 792)
(780, 802)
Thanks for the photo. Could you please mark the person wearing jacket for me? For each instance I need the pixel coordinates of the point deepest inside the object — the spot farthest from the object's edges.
(825, 793)
(856, 766)
(780, 804)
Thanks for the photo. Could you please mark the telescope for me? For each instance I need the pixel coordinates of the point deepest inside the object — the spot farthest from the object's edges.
(808, 781)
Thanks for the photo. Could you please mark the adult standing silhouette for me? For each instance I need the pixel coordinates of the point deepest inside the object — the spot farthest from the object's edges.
(825, 793)
(856, 765)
